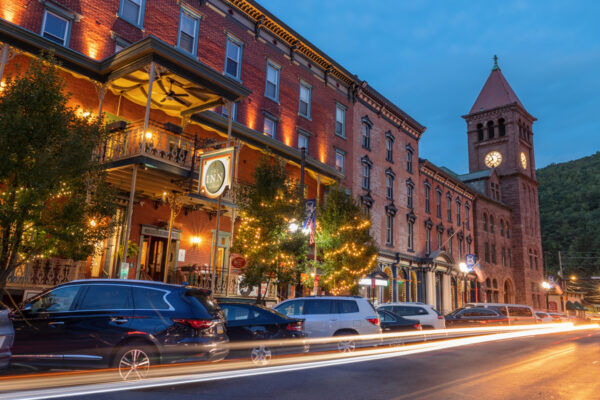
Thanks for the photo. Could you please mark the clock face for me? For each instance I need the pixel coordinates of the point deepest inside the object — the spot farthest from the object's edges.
(523, 160)
(493, 159)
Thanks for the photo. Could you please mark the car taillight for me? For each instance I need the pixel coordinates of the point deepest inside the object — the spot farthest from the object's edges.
(440, 317)
(294, 326)
(418, 327)
(374, 321)
(195, 323)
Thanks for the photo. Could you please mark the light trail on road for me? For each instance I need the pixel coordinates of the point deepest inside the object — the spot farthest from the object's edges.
(78, 383)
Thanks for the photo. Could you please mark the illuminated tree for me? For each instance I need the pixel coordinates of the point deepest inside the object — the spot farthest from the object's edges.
(348, 250)
(54, 200)
(267, 207)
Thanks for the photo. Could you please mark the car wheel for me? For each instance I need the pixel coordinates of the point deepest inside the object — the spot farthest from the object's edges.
(260, 355)
(133, 361)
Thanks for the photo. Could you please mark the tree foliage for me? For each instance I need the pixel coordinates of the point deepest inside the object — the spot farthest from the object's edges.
(54, 200)
(343, 235)
(267, 206)
(569, 195)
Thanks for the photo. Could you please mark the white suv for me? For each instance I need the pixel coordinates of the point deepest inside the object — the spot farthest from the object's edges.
(332, 315)
(424, 313)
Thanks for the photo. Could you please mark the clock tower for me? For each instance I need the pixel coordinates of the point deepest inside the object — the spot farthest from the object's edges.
(500, 137)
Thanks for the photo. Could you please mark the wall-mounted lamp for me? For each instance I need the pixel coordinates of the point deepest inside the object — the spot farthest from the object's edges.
(148, 135)
(196, 241)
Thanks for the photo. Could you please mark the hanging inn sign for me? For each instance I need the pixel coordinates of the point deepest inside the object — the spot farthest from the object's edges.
(215, 172)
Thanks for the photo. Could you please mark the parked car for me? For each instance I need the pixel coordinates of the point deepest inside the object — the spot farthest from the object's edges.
(543, 317)
(559, 317)
(253, 323)
(428, 316)
(129, 325)
(391, 322)
(333, 316)
(6, 336)
(475, 316)
(517, 314)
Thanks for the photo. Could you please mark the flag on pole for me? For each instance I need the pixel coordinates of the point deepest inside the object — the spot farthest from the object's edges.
(478, 272)
(309, 225)
(557, 288)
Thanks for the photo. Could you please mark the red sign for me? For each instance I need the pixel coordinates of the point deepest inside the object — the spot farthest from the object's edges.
(238, 262)
(316, 281)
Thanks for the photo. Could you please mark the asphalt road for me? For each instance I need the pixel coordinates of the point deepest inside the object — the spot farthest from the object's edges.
(558, 366)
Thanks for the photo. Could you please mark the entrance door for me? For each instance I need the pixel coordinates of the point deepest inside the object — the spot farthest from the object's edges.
(154, 258)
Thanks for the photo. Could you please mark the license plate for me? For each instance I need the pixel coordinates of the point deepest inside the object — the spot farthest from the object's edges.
(219, 329)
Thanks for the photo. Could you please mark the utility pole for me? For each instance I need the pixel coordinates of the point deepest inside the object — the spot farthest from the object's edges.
(562, 280)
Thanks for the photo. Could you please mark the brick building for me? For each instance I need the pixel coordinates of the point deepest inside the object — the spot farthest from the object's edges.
(176, 78)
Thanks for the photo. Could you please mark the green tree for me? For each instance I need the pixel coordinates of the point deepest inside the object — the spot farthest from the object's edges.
(267, 207)
(348, 250)
(54, 200)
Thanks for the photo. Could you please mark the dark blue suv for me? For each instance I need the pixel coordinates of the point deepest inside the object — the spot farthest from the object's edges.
(129, 325)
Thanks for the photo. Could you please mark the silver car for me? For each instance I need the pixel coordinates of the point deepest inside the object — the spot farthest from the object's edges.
(7, 335)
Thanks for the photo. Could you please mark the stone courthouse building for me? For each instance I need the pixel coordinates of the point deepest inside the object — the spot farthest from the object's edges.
(178, 78)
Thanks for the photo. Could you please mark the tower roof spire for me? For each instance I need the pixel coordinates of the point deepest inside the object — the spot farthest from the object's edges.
(495, 67)
(496, 92)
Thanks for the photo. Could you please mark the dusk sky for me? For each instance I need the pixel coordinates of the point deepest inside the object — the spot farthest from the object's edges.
(431, 58)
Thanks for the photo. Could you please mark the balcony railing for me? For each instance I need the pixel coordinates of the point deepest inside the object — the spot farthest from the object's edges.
(42, 274)
(226, 284)
(156, 143)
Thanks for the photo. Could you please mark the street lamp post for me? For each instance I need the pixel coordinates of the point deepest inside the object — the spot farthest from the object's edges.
(547, 286)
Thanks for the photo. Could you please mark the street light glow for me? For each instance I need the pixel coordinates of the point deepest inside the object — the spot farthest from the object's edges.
(293, 227)
(546, 285)
(463, 267)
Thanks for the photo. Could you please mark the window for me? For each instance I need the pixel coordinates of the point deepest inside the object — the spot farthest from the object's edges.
(312, 307)
(270, 127)
(507, 231)
(120, 44)
(460, 247)
(501, 128)
(427, 198)
(188, 32)
(389, 186)
(239, 313)
(438, 201)
(490, 128)
(389, 230)
(58, 300)
(493, 254)
(132, 11)
(410, 235)
(450, 243)
(389, 150)
(468, 246)
(468, 216)
(56, 28)
(479, 132)
(366, 135)
(487, 251)
(149, 299)
(346, 306)
(503, 256)
(428, 240)
(509, 257)
(449, 207)
(233, 58)
(485, 222)
(458, 212)
(235, 109)
(491, 223)
(409, 195)
(272, 84)
(289, 308)
(409, 160)
(303, 141)
(502, 227)
(366, 176)
(439, 239)
(535, 259)
(340, 160)
(305, 92)
(107, 297)
(340, 120)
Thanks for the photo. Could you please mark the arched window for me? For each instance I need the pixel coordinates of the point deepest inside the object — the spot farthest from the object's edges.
(501, 127)
(491, 223)
(502, 227)
(490, 128)
(507, 230)
(485, 222)
(480, 132)
(495, 283)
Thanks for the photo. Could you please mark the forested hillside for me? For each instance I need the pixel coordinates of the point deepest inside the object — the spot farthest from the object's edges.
(570, 215)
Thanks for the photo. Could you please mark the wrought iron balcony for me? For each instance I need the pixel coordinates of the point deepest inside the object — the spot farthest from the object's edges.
(128, 141)
(42, 274)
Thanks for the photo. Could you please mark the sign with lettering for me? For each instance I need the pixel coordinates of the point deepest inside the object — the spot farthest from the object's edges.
(215, 172)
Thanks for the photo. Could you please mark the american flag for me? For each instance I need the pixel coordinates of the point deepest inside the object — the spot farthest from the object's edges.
(310, 220)
(478, 272)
